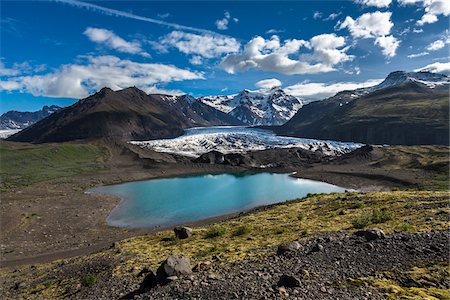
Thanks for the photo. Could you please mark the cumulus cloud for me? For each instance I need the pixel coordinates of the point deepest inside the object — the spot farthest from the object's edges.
(376, 3)
(438, 67)
(376, 25)
(222, 24)
(207, 46)
(274, 55)
(110, 40)
(196, 60)
(79, 80)
(432, 8)
(268, 83)
(319, 90)
(19, 68)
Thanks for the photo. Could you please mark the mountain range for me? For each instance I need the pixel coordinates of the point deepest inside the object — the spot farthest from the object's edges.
(406, 108)
(128, 114)
(13, 120)
(263, 107)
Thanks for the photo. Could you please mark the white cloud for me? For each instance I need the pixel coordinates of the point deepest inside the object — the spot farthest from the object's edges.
(79, 80)
(196, 60)
(109, 39)
(123, 14)
(273, 55)
(440, 43)
(376, 3)
(317, 15)
(418, 54)
(273, 31)
(432, 8)
(332, 16)
(388, 44)
(376, 25)
(319, 90)
(222, 24)
(20, 68)
(437, 67)
(268, 83)
(207, 46)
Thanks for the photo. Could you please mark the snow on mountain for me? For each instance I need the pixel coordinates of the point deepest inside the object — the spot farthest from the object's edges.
(197, 141)
(262, 107)
(431, 80)
(15, 120)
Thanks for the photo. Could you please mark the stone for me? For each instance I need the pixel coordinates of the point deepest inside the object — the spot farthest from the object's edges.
(288, 247)
(283, 292)
(203, 265)
(317, 248)
(182, 232)
(371, 234)
(175, 265)
(288, 281)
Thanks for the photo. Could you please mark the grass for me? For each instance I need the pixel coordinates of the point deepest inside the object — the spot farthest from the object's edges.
(215, 231)
(22, 165)
(88, 280)
(377, 216)
(242, 230)
(430, 283)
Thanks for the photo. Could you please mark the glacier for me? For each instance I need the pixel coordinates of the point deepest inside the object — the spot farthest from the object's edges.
(237, 139)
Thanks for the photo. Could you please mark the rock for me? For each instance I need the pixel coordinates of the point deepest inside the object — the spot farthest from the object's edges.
(317, 248)
(182, 232)
(283, 292)
(371, 234)
(172, 278)
(288, 247)
(175, 265)
(288, 281)
(150, 280)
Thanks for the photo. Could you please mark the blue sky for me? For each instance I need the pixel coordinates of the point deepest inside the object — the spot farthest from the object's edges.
(55, 52)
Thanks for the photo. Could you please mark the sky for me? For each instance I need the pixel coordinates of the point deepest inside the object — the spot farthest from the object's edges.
(56, 52)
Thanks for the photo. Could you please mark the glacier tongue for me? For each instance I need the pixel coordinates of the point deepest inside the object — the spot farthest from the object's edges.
(197, 141)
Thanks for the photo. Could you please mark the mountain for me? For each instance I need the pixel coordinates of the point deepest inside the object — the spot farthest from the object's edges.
(13, 120)
(264, 107)
(128, 114)
(406, 109)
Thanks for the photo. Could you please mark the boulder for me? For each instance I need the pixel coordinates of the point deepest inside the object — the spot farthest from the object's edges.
(285, 248)
(317, 248)
(175, 265)
(288, 281)
(371, 234)
(182, 232)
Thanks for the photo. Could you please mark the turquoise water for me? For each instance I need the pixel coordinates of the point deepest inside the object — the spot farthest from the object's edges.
(170, 201)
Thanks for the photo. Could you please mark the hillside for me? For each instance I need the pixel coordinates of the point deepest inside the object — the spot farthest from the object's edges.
(128, 114)
(405, 113)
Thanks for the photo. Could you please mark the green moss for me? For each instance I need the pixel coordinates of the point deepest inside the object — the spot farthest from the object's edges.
(361, 221)
(242, 230)
(88, 280)
(216, 231)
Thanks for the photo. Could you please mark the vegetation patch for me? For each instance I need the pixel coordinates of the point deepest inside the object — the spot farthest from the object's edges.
(430, 282)
(88, 280)
(216, 231)
(22, 165)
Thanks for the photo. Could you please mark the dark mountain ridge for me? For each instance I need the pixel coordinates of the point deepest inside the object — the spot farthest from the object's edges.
(128, 114)
(407, 112)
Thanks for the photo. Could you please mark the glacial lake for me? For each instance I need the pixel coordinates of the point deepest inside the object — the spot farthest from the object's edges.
(172, 201)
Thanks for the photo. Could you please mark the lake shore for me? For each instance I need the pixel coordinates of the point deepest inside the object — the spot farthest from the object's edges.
(56, 219)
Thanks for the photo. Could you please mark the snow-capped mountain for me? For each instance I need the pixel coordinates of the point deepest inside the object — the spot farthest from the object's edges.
(431, 80)
(262, 107)
(16, 120)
